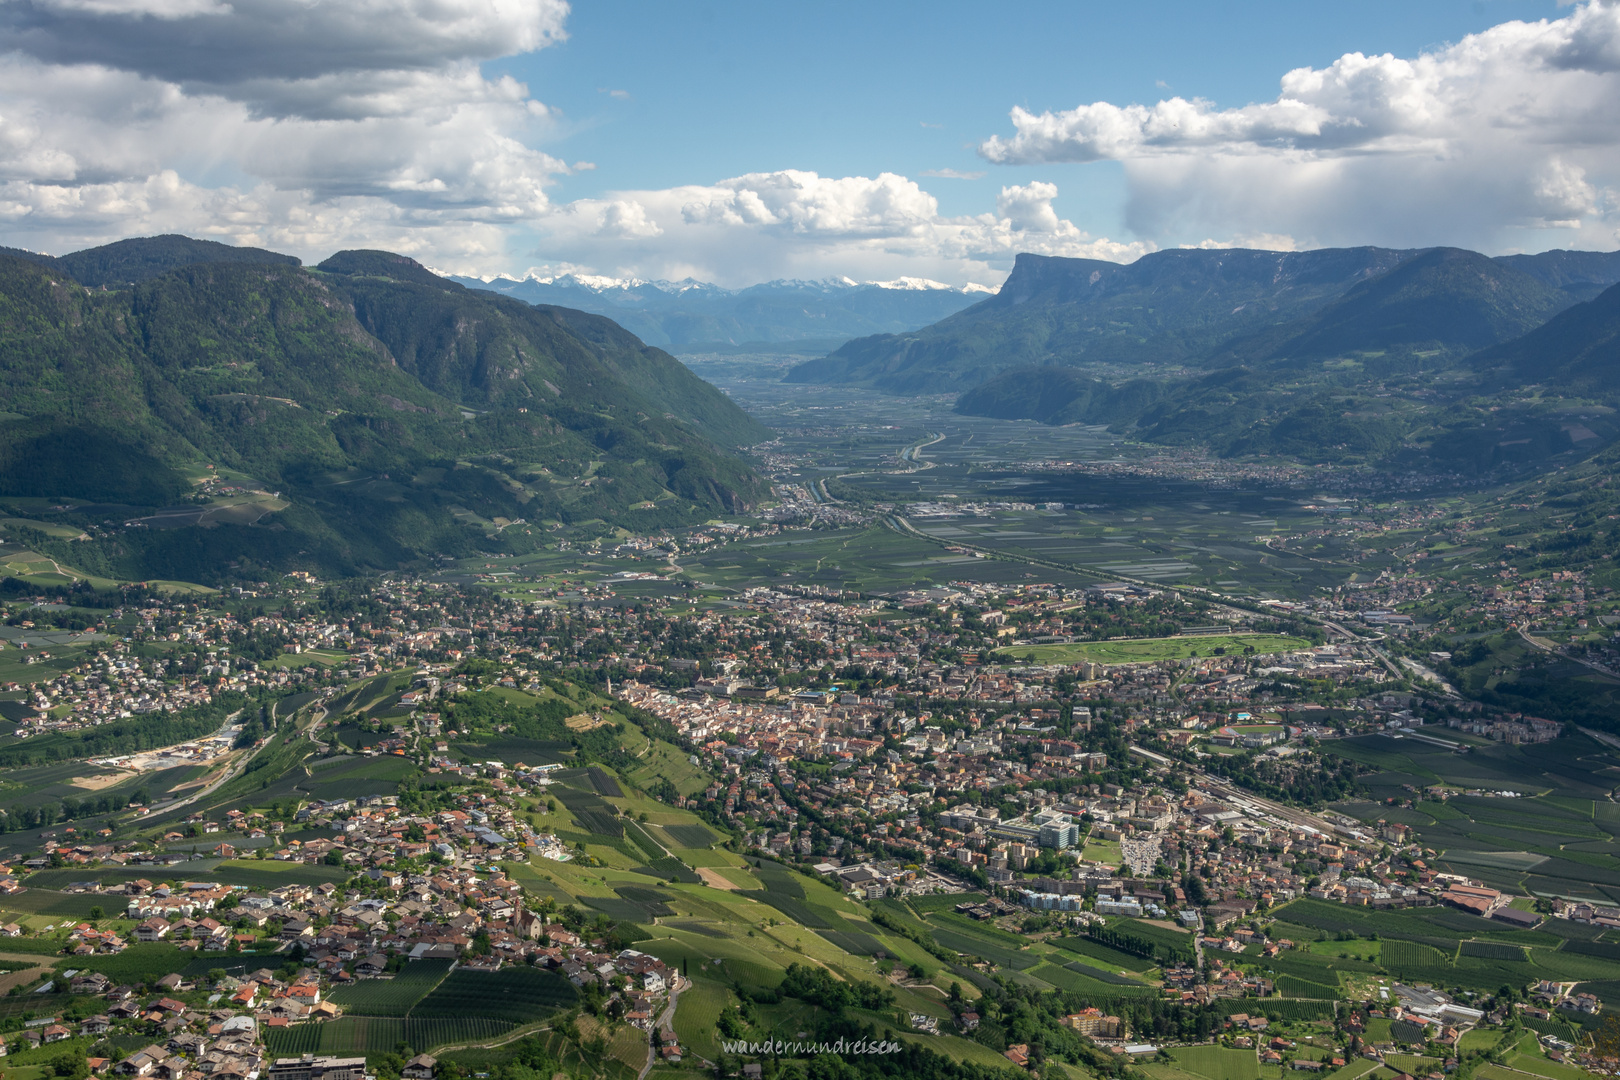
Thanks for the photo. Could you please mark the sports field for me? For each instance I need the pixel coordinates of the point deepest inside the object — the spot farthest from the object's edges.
(1139, 650)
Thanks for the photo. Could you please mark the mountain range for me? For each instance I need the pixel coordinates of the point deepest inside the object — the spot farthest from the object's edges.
(1419, 357)
(199, 411)
(1197, 308)
(366, 413)
(693, 316)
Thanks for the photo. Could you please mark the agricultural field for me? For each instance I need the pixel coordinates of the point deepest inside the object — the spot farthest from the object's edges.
(690, 836)
(142, 963)
(1152, 528)
(1140, 650)
(430, 1007)
(1218, 1063)
(518, 995)
(356, 777)
(51, 902)
(1441, 946)
(323, 657)
(697, 1016)
(19, 562)
(256, 873)
(1545, 827)
(380, 1035)
(395, 996)
(667, 762)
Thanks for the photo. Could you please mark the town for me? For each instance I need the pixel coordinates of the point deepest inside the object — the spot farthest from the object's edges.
(1140, 791)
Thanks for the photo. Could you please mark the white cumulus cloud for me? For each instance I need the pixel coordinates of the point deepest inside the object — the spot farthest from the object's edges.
(302, 125)
(313, 125)
(800, 224)
(1510, 129)
(248, 49)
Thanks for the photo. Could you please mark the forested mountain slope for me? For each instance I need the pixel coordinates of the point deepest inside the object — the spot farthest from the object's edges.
(1441, 361)
(396, 415)
(1198, 308)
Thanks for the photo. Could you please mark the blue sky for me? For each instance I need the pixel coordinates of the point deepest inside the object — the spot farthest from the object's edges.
(721, 89)
(741, 142)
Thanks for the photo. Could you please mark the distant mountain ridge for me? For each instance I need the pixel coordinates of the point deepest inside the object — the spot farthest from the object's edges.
(1437, 360)
(125, 262)
(1443, 302)
(1217, 307)
(694, 315)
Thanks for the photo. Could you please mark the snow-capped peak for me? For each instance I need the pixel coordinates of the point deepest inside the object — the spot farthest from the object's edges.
(601, 283)
(593, 282)
(686, 285)
(918, 284)
(900, 284)
(914, 284)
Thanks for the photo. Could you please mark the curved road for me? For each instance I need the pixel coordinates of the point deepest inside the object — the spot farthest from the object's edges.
(1550, 647)
(663, 1020)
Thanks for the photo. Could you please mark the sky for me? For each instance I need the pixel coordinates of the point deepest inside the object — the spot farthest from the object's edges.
(743, 142)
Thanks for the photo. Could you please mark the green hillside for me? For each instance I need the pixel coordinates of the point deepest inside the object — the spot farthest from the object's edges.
(1437, 305)
(381, 414)
(1449, 362)
(1171, 307)
(487, 351)
(1198, 308)
(125, 262)
(1580, 348)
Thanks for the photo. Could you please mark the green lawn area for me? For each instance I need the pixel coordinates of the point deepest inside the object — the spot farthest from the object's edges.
(1538, 1066)
(1154, 1070)
(323, 657)
(1360, 949)
(1413, 1063)
(1103, 851)
(515, 696)
(1217, 1062)
(1139, 650)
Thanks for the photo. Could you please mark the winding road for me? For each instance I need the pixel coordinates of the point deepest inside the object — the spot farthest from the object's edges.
(665, 1019)
(1546, 646)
